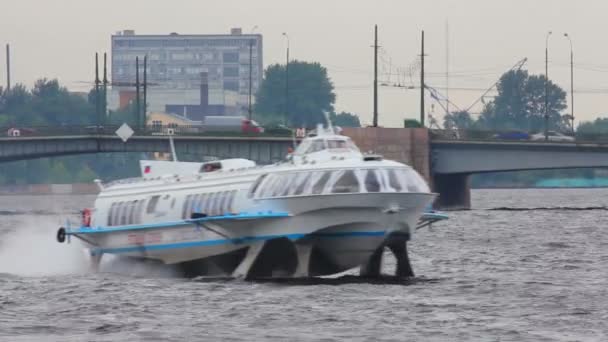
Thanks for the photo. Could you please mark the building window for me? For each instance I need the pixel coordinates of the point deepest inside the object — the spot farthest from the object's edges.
(230, 57)
(231, 85)
(231, 71)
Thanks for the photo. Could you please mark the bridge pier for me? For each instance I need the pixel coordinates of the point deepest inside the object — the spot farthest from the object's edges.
(454, 191)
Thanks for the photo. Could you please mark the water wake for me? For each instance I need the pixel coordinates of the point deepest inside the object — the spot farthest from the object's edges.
(30, 249)
(547, 208)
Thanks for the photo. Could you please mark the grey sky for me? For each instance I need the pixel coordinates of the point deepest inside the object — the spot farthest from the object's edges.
(58, 38)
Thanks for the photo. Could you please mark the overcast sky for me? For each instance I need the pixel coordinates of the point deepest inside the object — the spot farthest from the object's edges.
(58, 39)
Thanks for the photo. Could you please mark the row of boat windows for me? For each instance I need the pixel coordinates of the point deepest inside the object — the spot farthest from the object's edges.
(336, 182)
(210, 204)
(129, 212)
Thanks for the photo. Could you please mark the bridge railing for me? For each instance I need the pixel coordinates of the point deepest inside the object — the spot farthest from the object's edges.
(150, 130)
(514, 136)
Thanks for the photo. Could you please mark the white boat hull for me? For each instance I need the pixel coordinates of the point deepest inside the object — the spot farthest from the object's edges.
(342, 229)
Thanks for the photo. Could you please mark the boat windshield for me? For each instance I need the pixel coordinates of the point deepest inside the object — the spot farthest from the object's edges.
(305, 183)
(334, 144)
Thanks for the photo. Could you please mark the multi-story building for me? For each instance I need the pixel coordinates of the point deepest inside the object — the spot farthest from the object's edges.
(194, 72)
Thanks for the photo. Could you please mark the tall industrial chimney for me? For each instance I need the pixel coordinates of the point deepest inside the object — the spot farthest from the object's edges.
(8, 67)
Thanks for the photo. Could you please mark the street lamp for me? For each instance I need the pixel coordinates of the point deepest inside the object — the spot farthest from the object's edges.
(571, 80)
(287, 79)
(547, 85)
(250, 111)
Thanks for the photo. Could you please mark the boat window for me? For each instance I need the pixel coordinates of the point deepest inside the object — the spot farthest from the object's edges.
(317, 188)
(231, 202)
(140, 209)
(116, 214)
(316, 146)
(347, 183)
(280, 185)
(210, 167)
(302, 179)
(152, 204)
(394, 180)
(185, 207)
(226, 203)
(415, 182)
(384, 181)
(132, 209)
(110, 213)
(205, 208)
(371, 182)
(124, 206)
(351, 145)
(256, 185)
(291, 181)
(217, 201)
(268, 186)
(212, 204)
(303, 147)
(221, 203)
(197, 203)
(332, 144)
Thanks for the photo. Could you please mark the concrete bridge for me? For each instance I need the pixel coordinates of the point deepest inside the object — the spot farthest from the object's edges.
(263, 150)
(452, 162)
(447, 164)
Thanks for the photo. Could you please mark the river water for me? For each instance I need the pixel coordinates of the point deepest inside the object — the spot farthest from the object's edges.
(537, 273)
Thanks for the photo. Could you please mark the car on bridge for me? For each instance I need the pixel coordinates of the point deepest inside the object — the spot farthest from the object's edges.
(21, 131)
(552, 136)
(512, 135)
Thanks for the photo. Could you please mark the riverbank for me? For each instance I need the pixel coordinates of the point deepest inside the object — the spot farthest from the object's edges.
(50, 189)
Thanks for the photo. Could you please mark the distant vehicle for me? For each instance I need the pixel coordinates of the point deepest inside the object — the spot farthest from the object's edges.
(231, 124)
(512, 135)
(552, 136)
(18, 132)
(279, 129)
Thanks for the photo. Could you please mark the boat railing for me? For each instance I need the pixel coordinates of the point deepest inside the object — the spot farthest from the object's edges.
(123, 181)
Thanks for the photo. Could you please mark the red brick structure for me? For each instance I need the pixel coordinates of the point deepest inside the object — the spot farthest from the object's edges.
(407, 145)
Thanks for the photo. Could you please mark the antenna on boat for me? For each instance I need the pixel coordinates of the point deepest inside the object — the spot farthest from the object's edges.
(329, 125)
(170, 133)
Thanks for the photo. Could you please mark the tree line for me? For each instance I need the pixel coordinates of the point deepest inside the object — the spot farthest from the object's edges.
(518, 105)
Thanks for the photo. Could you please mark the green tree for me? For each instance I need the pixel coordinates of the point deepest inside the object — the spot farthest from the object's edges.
(126, 115)
(311, 94)
(598, 126)
(458, 120)
(47, 104)
(345, 119)
(520, 104)
(411, 123)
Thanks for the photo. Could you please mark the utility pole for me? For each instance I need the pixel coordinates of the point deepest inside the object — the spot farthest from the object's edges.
(287, 80)
(571, 80)
(8, 67)
(137, 105)
(447, 68)
(422, 82)
(547, 86)
(145, 111)
(104, 103)
(97, 96)
(375, 123)
(250, 111)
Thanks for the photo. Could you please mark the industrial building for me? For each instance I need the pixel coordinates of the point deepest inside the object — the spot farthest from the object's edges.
(188, 75)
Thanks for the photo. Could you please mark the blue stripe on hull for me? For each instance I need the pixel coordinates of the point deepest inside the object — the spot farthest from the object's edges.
(235, 241)
(229, 217)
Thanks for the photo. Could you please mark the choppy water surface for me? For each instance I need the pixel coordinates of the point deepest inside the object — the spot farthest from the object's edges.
(486, 275)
